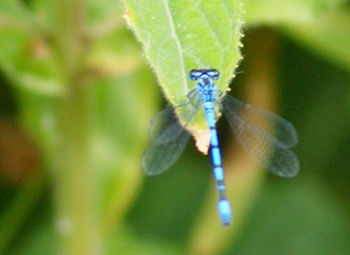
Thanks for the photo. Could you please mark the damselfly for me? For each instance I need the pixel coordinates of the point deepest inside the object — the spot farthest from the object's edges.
(265, 136)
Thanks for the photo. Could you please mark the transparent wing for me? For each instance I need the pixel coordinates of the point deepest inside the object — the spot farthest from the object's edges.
(164, 126)
(265, 136)
(168, 141)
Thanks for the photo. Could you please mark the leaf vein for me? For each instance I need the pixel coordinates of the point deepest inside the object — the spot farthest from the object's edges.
(177, 42)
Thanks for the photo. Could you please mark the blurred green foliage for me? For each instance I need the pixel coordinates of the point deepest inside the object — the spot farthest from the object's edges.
(76, 96)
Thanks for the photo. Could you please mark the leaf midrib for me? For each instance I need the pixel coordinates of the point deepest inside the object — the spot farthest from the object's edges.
(177, 42)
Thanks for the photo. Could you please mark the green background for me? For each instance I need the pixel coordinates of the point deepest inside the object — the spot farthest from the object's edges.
(75, 103)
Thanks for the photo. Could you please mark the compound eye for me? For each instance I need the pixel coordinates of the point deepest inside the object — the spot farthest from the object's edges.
(213, 73)
(195, 74)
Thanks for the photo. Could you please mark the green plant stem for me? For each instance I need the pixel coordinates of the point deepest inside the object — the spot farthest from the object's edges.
(77, 213)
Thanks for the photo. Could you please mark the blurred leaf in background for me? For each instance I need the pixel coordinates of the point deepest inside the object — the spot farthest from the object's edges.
(75, 100)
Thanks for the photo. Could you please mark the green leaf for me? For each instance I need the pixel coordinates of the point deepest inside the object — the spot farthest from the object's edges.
(179, 35)
(101, 16)
(29, 62)
(321, 25)
(281, 12)
(114, 54)
(25, 55)
(14, 13)
(329, 36)
(102, 11)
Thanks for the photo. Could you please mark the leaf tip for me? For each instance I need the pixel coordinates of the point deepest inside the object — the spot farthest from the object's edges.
(202, 138)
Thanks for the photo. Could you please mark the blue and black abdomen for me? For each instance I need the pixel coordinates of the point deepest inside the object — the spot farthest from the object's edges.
(207, 92)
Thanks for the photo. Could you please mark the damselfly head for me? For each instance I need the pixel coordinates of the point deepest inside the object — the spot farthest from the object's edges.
(195, 74)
